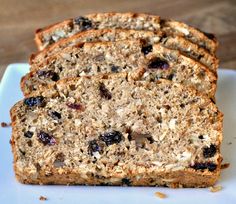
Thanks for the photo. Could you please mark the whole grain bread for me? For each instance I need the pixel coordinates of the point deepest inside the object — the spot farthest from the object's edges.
(186, 47)
(121, 56)
(112, 130)
(51, 34)
(203, 39)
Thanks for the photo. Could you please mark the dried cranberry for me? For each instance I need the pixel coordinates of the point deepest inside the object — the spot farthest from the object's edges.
(55, 115)
(202, 166)
(83, 22)
(110, 138)
(94, 147)
(104, 92)
(209, 151)
(126, 182)
(48, 74)
(46, 139)
(28, 134)
(75, 106)
(146, 49)
(34, 101)
(158, 63)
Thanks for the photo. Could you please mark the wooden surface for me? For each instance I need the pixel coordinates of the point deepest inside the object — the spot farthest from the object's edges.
(19, 19)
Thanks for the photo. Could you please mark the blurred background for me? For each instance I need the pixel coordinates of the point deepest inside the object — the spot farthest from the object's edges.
(20, 18)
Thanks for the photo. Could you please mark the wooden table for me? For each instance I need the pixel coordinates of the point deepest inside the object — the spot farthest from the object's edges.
(19, 19)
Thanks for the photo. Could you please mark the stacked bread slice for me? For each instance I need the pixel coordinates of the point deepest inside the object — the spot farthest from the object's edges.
(119, 99)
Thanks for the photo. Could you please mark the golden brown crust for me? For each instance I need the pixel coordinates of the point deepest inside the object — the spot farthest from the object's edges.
(176, 179)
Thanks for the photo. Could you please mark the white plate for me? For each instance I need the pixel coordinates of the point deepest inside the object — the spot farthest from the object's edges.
(13, 192)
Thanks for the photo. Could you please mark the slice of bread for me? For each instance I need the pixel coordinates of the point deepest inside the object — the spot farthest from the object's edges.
(174, 42)
(203, 39)
(111, 130)
(121, 56)
(51, 34)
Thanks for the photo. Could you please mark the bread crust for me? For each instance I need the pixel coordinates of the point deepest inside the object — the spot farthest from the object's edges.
(198, 36)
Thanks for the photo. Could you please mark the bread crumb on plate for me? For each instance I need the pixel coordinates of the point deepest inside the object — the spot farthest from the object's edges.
(4, 124)
(42, 198)
(214, 189)
(160, 195)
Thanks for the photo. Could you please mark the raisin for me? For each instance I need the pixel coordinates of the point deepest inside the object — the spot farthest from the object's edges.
(170, 77)
(55, 115)
(48, 74)
(34, 101)
(75, 106)
(94, 147)
(150, 139)
(104, 92)
(114, 68)
(209, 151)
(46, 139)
(28, 134)
(146, 49)
(54, 76)
(83, 22)
(110, 138)
(202, 166)
(182, 105)
(201, 137)
(126, 182)
(158, 63)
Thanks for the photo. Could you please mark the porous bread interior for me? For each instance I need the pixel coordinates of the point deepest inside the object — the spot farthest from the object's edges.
(171, 115)
(135, 21)
(123, 56)
(178, 43)
(116, 20)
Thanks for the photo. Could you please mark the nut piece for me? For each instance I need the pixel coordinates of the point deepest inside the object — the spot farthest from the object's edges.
(214, 189)
(160, 195)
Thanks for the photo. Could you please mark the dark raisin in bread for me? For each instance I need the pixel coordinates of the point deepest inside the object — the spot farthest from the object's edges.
(174, 42)
(51, 34)
(112, 130)
(121, 56)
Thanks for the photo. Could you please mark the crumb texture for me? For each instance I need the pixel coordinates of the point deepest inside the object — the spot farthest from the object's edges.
(49, 35)
(112, 130)
(180, 43)
(151, 62)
